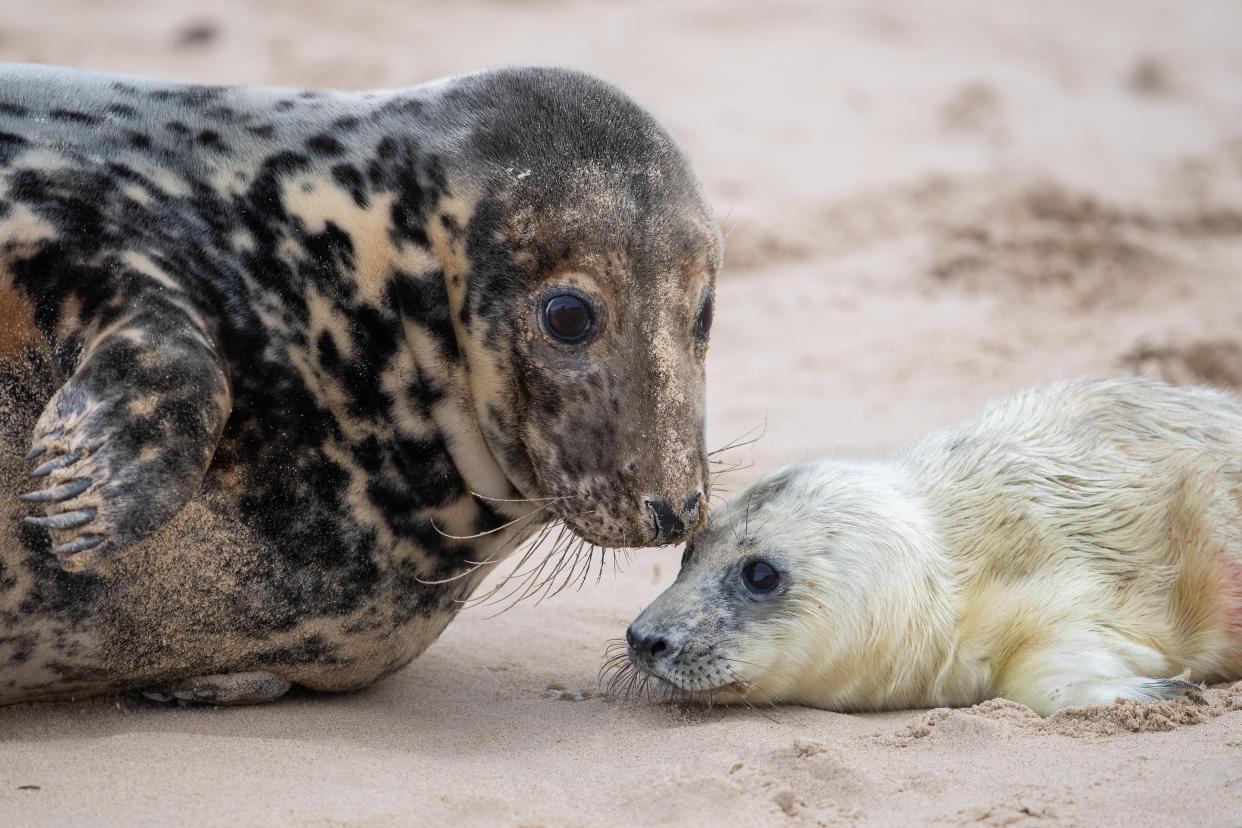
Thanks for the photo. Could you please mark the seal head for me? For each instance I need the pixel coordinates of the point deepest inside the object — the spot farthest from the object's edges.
(789, 586)
(581, 287)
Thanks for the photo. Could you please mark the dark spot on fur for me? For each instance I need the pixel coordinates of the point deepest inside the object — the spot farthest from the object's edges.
(423, 298)
(348, 177)
(210, 139)
(312, 649)
(324, 144)
(75, 116)
(11, 146)
(22, 647)
(122, 110)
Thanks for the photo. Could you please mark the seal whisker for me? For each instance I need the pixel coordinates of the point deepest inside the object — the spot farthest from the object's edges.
(525, 578)
(530, 549)
(495, 557)
(742, 441)
(517, 499)
(486, 532)
(527, 585)
(571, 556)
(560, 554)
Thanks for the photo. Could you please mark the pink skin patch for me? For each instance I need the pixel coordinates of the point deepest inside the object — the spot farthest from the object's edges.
(1233, 588)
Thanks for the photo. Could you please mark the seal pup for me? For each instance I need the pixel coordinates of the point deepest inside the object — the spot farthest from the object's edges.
(1070, 546)
(282, 371)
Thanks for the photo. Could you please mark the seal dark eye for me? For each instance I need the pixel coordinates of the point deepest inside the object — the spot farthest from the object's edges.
(703, 324)
(760, 576)
(568, 317)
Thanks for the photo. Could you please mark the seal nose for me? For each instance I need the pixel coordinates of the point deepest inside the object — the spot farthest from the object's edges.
(648, 646)
(671, 519)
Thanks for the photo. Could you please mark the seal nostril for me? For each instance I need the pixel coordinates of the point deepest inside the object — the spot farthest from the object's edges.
(667, 523)
(648, 645)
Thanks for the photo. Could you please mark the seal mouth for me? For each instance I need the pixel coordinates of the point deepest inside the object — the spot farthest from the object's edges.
(679, 685)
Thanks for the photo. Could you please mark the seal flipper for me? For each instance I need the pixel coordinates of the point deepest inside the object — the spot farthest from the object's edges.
(124, 444)
(223, 688)
(1049, 679)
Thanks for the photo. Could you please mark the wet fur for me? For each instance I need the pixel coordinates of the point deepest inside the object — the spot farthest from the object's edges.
(275, 355)
(1072, 545)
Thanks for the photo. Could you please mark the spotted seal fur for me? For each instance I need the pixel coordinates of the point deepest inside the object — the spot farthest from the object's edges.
(1075, 544)
(287, 364)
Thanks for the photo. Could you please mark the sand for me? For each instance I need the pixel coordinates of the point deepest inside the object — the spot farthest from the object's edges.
(929, 205)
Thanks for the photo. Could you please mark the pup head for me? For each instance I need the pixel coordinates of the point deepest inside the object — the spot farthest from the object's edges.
(801, 588)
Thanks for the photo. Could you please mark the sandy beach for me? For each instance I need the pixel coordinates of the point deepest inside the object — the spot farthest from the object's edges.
(927, 206)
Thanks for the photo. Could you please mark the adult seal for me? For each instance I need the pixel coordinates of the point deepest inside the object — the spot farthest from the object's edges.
(279, 369)
(1075, 544)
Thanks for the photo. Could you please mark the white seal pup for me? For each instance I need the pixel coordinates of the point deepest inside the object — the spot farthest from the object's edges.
(1073, 545)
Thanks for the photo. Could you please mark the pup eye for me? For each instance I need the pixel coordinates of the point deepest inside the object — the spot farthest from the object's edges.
(568, 317)
(703, 324)
(760, 576)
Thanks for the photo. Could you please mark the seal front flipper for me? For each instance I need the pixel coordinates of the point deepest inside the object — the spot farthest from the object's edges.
(124, 444)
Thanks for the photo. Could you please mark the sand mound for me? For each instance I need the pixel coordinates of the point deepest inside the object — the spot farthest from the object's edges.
(1045, 237)
(1126, 716)
(1043, 240)
(1215, 362)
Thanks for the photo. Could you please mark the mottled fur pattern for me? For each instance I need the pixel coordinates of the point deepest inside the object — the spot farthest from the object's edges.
(1072, 545)
(277, 362)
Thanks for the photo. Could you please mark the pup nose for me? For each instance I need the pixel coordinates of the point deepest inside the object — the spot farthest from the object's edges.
(672, 519)
(652, 645)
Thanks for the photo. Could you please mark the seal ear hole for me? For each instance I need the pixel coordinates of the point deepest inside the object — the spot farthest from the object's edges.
(568, 317)
(760, 577)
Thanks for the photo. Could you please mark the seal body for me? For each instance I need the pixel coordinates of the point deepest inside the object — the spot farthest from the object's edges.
(280, 369)
(1072, 545)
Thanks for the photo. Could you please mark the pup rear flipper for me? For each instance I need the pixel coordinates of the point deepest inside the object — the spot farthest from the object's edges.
(1048, 680)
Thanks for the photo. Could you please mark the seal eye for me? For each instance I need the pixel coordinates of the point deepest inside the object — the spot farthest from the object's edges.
(703, 324)
(568, 317)
(760, 576)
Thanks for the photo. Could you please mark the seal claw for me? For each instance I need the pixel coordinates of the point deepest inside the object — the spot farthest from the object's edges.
(65, 520)
(41, 446)
(79, 545)
(64, 491)
(1176, 688)
(57, 463)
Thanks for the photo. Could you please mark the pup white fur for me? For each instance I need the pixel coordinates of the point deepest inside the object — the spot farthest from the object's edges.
(1069, 546)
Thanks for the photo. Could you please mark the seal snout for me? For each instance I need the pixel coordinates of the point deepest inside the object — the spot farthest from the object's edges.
(650, 646)
(673, 521)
